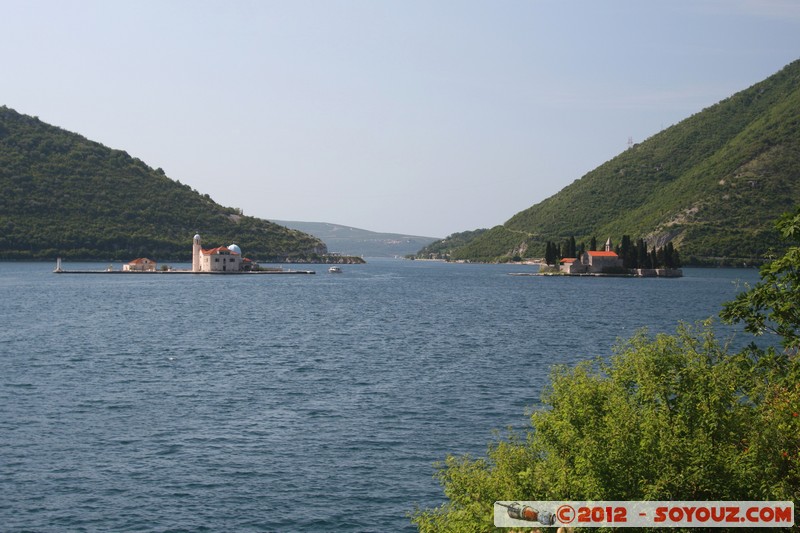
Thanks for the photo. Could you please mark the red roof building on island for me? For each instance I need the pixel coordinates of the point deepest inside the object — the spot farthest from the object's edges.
(220, 259)
(220, 250)
(593, 262)
(571, 265)
(604, 253)
(142, 264)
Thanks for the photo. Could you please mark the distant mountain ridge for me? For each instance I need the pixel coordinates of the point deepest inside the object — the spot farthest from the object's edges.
(712, 184)
(354, 241)
(64, 195)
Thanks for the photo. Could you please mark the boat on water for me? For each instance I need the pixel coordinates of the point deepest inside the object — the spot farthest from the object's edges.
(335, 270)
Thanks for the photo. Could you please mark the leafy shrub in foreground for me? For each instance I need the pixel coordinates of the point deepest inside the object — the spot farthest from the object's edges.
(670, 417)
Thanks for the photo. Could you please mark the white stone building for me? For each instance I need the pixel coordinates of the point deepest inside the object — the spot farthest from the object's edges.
(141, 264)
(571, 265)
(222, 259)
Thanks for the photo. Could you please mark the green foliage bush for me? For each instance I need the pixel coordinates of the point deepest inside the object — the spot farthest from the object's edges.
(667, 417)
(773, 305)
(670, 417)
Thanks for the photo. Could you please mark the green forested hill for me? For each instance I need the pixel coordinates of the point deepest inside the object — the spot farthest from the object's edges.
(712, 184)
(441, 249)
(63, 195)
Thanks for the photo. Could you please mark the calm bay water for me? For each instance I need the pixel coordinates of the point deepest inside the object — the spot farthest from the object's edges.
(286, 403)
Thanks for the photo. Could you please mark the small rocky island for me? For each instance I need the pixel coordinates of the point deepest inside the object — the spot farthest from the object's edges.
(218, 260)
(607, 262)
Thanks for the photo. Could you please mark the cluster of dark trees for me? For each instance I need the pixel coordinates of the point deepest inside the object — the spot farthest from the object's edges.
(555, 252)
(633, 255)
(638, 256)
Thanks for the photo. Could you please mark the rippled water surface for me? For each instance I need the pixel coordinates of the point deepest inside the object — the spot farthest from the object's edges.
(285, 403)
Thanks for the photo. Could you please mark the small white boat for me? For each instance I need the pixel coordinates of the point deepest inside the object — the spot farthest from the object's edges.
(335, 270)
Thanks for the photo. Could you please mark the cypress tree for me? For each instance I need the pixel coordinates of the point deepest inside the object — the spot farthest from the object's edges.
(641, 254)
(661, 256)
(669, 256)
(627, 253)
(550, 254)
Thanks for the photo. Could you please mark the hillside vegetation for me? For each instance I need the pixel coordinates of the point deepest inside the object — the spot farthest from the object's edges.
(441, 249)
(711, 184)
(63, 195)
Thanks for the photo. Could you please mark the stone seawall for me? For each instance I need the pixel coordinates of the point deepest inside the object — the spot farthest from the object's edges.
(657, 272)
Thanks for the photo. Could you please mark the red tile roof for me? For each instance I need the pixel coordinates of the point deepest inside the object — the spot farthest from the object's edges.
(603, 254)
(569, 260)
(140, 261)
(218, 250)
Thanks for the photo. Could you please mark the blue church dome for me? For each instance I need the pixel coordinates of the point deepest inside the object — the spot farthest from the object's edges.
(235, 249)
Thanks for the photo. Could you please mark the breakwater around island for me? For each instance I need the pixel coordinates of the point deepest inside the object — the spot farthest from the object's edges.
(168, 272)
(59, 269)
(629, 273)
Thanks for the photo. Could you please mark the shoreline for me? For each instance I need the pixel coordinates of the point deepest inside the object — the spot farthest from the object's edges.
(632, 273)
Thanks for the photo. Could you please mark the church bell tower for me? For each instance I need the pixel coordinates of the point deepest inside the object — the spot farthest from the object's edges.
(196, 253)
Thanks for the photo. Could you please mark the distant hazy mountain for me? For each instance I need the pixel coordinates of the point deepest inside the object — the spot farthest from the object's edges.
(354, 241)
(713, 185)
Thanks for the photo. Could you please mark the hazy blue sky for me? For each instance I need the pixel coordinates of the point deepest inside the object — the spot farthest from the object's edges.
(422, 117)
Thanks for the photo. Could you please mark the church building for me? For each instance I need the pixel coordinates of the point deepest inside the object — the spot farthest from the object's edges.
(593, 262)
(221, 259)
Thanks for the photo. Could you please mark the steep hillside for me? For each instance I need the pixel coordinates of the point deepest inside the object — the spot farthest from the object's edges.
(360, 242)
(65, 195)
(712, 184)
(441, 249)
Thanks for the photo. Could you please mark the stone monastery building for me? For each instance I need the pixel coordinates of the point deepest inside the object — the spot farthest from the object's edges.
(222, 259)
(593, 262)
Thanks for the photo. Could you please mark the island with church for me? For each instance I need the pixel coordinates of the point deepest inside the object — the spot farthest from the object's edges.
(608, 262)
(219, 260)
